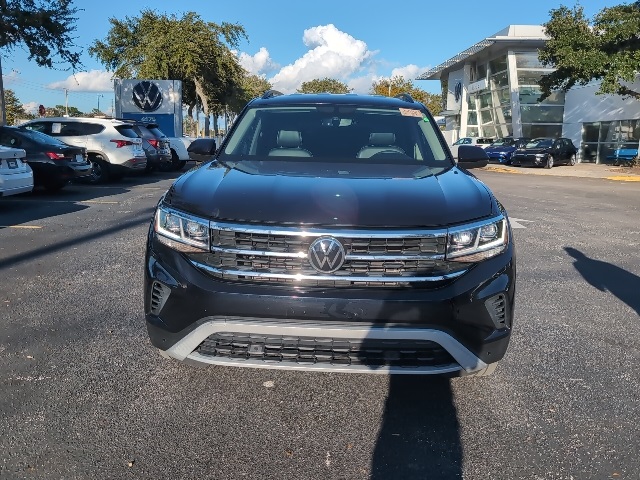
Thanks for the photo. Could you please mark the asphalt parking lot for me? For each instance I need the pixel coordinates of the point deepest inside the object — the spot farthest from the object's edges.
(84, 395)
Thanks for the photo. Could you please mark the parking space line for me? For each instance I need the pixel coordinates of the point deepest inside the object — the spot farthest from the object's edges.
(108, 202)
(34, 227)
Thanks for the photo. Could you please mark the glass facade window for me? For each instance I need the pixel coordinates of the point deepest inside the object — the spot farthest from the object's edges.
(534, 131)
(499, 80)
(485, 100)
(538, 118)
(530, 77)
(606, 142)
(498, 64)
(541, 114)
(529, 95)
(528, 60)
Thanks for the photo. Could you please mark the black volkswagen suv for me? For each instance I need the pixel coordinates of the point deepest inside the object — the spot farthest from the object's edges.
(333, 233)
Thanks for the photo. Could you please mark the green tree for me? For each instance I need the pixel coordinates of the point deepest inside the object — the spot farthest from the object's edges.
(13, 107)
(397, 85)
(325, 85)
(187, 48)
(607, 49)
(44, 27)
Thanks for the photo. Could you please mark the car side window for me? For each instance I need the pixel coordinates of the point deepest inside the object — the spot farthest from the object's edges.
(91, 128)
(44, 127)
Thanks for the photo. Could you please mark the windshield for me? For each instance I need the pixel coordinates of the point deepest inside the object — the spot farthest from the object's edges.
(336, 133)
(540, 143)
(503, 142)
(42, 138)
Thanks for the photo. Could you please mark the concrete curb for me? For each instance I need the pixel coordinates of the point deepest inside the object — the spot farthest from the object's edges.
(605, 172)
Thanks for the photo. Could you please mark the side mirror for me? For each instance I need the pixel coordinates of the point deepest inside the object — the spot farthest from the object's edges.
(470, 156)
(202, 149)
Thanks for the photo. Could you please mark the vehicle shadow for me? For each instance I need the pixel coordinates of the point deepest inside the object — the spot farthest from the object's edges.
(607, 277)
(419, 436)
(40, 204)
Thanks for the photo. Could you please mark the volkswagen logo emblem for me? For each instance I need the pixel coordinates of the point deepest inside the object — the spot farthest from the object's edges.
(147, 96)
(326, 255)
(457, 92)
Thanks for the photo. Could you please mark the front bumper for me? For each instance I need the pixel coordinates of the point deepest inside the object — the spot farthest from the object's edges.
(449, 329)
(529, 161)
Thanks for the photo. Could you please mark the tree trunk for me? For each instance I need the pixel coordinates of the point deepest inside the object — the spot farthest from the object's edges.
(3, 108)
(205, 104)
(215, 125)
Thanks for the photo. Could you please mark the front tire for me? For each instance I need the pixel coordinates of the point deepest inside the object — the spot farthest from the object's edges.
(99, 170)
(176, 163)
(572, 160)
(550, 162)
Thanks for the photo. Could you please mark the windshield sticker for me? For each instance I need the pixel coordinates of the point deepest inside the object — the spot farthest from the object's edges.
(56, 127)
(410, 112)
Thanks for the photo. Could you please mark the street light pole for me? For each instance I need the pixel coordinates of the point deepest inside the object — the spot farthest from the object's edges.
(99, 95)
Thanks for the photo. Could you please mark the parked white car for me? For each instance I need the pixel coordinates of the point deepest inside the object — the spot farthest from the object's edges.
(179, 154)
(483, 142)
(113, 147)
(16, 175)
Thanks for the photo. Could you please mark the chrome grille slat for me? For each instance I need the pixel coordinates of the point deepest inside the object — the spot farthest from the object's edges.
(279, 255)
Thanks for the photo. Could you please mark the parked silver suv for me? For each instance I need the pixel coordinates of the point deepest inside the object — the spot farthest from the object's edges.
(113, 147)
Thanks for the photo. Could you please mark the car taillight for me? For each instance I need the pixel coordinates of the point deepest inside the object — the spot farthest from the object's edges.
(122, 143)
(153, 142)
(54, 155)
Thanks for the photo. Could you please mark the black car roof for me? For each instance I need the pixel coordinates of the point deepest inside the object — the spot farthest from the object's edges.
(337, 99)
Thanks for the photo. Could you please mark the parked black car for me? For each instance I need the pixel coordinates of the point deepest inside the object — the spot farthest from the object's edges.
(53, 162)
(333, 233)
(155, 146)
(546, 152)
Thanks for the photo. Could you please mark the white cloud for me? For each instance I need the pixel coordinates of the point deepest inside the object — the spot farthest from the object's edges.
(9, 78)
(260, 63)
(31, 107)
(409, 72)
(93, 81)
(332, 54)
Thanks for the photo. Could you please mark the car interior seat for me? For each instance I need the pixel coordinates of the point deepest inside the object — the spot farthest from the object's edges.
(380, 142)
(289, 145)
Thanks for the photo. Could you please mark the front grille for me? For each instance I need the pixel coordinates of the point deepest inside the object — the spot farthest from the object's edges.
(372, 258)
(328, 351)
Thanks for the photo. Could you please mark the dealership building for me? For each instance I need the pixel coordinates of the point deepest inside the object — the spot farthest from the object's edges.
(492, 91)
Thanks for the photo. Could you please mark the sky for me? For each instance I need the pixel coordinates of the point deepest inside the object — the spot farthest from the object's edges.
(355, 41)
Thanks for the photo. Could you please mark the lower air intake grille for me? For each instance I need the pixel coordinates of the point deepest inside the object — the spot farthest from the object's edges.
(313, 350)
(159, 295)
(497, 308)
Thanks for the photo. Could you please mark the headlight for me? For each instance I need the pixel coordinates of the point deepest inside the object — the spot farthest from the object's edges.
(477, 242)
(541, 155)
(181, 231)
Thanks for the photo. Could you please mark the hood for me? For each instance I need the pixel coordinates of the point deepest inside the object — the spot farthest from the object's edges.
(324, 196)
(533, 151)
(501, 149)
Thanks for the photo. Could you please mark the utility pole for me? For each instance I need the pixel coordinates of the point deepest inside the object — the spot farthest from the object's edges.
(66, 101)
(99, 95)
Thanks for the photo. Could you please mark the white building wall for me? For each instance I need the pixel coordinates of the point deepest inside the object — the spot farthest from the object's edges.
(582, 105)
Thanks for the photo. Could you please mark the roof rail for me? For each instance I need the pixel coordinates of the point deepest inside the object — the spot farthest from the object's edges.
(271, 94)
(406, 97)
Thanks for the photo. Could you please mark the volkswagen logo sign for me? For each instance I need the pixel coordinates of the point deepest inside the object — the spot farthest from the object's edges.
(147, 96)
(326, 255)
(457, 92)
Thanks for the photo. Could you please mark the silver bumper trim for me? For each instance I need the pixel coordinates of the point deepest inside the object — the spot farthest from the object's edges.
(184, 349)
